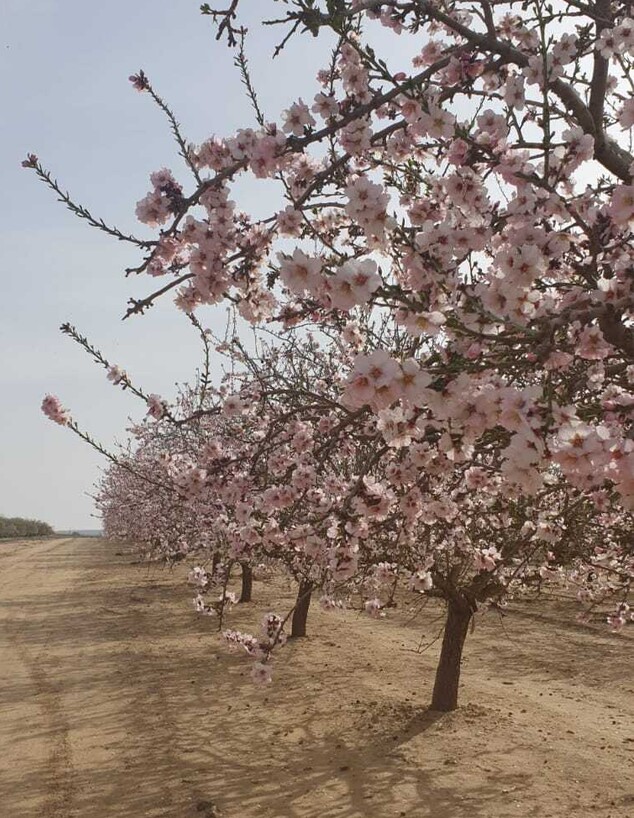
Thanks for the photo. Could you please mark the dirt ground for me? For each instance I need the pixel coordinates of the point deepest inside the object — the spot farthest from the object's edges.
(116, 700)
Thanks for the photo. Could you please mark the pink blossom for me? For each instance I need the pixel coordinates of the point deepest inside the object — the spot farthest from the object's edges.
(514, 92)
(424, 323)
(156, 406)
(325, 106)
(432, 51)
(565, 49)
(261, 674)
(139, 81)
(625, 34)
(53, 409)
(116, 375)
(153, 210)
(300, 273)
(351, 334)
(356, 137)
(394, 427)
(289, 221)
(373, 608)
(621, 207)
(421, 581)
(353, 284)
(264, 154)
(457, 152)
(413, 382)
(486, 559)
(608, 44)
(297, 118)
(367, 204)
(436, 123)
(233, 406)
(373, 378)
(592, 345)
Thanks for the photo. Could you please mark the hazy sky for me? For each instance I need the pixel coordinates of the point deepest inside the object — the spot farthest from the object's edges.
(65, 95)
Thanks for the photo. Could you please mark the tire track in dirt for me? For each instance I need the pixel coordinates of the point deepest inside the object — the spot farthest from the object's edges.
(151, 740)
(58, 774)
(159, 747)
(93, 683)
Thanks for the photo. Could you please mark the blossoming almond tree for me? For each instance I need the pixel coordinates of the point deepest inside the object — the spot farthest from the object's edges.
(480, 197)
(407, 504)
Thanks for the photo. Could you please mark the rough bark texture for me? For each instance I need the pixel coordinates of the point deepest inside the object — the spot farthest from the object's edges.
(247, 582)
(445, 695)
(300, 614)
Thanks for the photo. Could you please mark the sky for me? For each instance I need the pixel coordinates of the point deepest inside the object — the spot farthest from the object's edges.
(65, 95)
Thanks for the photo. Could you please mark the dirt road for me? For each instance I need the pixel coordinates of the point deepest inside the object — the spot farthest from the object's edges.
(116, 700)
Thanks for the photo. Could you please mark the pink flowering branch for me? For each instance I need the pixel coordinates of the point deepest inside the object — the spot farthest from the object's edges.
(33, 163)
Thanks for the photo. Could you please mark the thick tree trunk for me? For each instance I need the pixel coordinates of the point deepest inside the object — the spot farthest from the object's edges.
(445, 695)
(247, 582)
(300, 614)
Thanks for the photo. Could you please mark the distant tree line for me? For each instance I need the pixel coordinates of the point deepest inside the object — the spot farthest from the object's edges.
(19, 527)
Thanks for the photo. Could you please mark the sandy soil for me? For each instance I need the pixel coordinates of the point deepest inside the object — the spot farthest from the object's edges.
(116, 700)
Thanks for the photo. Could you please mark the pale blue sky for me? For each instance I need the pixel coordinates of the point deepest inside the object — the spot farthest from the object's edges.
(65, 95)
(64, 91)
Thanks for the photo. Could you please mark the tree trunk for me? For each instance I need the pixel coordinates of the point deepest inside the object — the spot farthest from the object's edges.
(300, 614)
(247, 582)
(445, 695)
